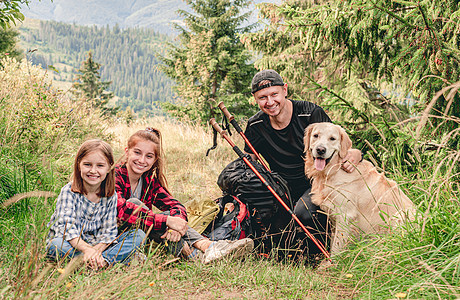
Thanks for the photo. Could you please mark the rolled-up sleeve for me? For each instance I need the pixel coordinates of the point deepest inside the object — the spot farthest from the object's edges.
(64, 221)
(129, 212)
(165, 202)
(153, 194)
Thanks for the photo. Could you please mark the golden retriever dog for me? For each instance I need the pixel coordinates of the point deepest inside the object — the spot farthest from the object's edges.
(361, 202)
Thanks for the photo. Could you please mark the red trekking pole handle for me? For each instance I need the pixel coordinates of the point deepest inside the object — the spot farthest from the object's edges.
(223, 133)
(238, 129)
(229, 116)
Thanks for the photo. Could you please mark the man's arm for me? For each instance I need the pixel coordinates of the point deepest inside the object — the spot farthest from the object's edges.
(352, 158)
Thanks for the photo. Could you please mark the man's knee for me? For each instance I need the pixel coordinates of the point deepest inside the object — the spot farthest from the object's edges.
(305, 210)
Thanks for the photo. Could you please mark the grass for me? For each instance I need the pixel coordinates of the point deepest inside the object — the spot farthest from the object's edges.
(192, 175)
(421, 262)
(421, 265)
(253, 278)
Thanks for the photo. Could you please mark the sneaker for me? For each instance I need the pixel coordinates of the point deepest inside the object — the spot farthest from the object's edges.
(224, 248)
(195, 255)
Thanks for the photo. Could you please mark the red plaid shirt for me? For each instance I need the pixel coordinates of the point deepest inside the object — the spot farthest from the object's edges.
(156, 195)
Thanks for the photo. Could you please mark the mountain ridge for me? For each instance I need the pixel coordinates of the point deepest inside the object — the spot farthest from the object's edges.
(157, 14)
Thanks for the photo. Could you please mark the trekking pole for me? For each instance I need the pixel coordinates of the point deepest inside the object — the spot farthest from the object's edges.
(223, 133)
(238, 129)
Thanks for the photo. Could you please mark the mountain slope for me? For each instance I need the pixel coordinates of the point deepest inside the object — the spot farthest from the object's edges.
(156, 14)
(127, 55)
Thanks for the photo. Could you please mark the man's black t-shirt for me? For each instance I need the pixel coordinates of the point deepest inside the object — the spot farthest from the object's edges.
(283, 149)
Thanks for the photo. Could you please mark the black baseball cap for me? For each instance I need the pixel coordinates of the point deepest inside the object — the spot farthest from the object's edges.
(270, 75)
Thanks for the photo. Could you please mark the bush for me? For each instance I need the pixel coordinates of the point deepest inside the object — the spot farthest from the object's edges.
(39, 125)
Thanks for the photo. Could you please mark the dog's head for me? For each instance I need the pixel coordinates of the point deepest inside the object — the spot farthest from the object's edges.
(325, 143)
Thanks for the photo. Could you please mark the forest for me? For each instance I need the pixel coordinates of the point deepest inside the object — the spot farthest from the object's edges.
(128, 57)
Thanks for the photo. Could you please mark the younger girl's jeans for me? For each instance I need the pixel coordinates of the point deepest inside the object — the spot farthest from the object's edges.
(120, 251)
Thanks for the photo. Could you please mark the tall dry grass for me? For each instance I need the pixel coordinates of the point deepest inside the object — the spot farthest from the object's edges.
(418, 264)
(39, 125)
(191, 175)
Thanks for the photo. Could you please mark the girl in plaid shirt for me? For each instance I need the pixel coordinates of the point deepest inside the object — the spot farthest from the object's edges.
(141, 184)
(85, 219)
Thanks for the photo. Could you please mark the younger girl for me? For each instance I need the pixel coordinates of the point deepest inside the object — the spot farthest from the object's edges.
(85, 219)
(141, 184)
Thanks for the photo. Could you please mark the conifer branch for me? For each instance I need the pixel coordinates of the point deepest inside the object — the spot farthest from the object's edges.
(394, 15)
(405, 8)
(347, 103)
(428, 26)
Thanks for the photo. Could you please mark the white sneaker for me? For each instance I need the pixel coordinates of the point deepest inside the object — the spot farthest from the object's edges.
(224, 248)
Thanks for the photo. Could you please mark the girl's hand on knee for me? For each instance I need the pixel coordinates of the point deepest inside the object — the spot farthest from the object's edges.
(100, 261)
(171, 235)
(92, 258)
(177, 224)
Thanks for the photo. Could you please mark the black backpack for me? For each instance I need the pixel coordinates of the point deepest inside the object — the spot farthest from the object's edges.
(229, 225)
(239, 180)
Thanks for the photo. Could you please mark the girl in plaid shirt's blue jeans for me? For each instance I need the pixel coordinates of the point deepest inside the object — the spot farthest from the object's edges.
(85, 219)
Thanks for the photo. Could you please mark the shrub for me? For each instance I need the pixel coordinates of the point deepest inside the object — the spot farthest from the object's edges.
(39, 125)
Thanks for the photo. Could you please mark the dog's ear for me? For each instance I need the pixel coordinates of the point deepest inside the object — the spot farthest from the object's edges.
(308, 168)
(345, 143)
(306, 138)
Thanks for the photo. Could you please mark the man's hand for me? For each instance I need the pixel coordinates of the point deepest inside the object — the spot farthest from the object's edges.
(352, 158)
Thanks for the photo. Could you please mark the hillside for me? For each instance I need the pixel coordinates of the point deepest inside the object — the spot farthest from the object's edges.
(128, 57)
(157, 14)
(154, 14)
(124, 36)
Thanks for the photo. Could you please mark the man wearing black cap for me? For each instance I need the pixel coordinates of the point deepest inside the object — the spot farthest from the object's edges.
(277, 132)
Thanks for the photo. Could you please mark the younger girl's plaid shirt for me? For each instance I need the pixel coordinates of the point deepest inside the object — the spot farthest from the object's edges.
(76, 216)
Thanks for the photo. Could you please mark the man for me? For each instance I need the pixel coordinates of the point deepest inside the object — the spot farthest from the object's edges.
(276, 132)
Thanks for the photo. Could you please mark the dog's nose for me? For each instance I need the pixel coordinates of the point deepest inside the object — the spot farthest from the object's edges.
(320, 151)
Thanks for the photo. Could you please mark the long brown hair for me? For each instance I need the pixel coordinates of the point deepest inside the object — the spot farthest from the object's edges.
(158, 168)
(107, 188)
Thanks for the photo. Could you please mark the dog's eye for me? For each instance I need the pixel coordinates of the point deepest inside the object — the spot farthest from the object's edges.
(332, 138)
(315, 135)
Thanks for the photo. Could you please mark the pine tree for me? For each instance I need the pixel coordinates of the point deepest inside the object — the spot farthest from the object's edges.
(89, 87)
(8, 40)
(9, 14)
(415, 44)
(375, 64)
(211, 64)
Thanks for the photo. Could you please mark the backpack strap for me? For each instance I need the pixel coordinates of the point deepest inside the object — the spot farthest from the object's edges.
(243, 213)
